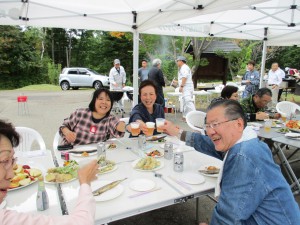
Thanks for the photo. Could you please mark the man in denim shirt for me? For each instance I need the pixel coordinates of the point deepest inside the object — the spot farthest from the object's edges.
(251, 80)
(253, 190)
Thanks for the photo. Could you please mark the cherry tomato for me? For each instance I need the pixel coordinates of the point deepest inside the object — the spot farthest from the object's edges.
(26, 167)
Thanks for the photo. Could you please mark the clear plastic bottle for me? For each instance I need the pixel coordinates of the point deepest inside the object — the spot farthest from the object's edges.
(42, 200)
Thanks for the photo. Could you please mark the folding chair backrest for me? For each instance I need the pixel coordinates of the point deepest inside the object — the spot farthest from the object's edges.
(196, 120)
(29, 139)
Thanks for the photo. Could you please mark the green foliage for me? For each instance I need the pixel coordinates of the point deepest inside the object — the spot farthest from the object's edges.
(53, 73)
(286, 57)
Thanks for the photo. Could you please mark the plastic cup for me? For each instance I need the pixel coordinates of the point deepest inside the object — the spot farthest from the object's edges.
(283, 117)
(159, 123)
(135, 128)
(150, 127)
(268, 125)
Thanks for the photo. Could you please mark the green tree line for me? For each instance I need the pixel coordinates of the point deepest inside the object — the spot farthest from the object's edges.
(37, 55)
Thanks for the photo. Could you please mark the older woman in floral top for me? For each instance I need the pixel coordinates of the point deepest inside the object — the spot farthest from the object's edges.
(92, 124)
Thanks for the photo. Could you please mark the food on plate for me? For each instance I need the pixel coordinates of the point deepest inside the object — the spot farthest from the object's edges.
(109, 165)
(148, 163)
(295, 124)
(162, 140)
(85, 154)
(62, 174)
(107, 187)
(283, 130)
(212, 168)
(111, 146)
(154, 153)
(24, 175)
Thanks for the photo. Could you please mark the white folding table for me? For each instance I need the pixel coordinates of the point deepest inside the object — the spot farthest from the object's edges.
(169, 194)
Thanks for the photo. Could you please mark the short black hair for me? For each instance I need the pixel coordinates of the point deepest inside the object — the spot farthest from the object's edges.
(9, 131)
(144, 60)
(251, 62)
(147, 83)
(233, 109)
(263, 91)
(95, 96)
(228, 91)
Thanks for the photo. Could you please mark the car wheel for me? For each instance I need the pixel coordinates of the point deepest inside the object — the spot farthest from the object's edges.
(97, 85)
(75, 88)
(65, 85)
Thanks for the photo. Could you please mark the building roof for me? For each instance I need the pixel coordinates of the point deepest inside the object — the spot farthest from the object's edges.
(215, 46)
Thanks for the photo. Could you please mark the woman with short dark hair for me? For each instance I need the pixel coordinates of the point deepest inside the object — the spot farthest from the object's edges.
(92, 124)
(228, 92)
(147, 110)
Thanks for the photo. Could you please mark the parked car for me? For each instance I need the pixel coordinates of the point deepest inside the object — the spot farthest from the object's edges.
(77, 77)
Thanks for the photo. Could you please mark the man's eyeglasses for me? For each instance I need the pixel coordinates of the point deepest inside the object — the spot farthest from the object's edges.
(215, 125)
(8, 163)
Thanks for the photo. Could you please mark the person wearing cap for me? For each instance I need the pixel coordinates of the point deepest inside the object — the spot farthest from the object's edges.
(186, 86)
(117, 79)
(156, 75)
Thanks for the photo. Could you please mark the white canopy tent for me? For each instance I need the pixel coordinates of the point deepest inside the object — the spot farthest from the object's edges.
(115, 15)
(275, 22)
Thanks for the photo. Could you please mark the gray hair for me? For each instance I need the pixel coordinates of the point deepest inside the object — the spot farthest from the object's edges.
(263, 91)
(233, 109)
(156, 62)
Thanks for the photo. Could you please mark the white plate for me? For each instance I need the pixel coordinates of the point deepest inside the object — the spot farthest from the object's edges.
(254, 124)
(192, 178)
(174, 146)
(109, 171)
(157, 168)
(3, 204)
(209, 175)
(108, 195)
(47, 182)
(84, 148)
(80, 155)
(142, 185)
(293, 135)
(151, 150)
(20, 187)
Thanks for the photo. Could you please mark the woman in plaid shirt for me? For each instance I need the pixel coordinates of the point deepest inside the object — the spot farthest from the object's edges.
(92, 124)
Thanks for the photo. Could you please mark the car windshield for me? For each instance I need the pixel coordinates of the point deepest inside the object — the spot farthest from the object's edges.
(93, 71)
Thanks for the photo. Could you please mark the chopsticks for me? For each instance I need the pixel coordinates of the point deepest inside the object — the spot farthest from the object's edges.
(144, 192)
(182, 184)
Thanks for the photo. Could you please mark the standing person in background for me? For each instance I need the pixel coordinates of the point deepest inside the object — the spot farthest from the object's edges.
(275, 77)
(156, 75)
(143, 71)
(117, 79)
(251, 80)
(186, 86)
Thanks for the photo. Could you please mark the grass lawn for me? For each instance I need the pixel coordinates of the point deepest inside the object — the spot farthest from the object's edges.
(40, 87)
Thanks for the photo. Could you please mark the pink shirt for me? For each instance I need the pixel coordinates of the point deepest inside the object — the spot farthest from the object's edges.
(83, 214)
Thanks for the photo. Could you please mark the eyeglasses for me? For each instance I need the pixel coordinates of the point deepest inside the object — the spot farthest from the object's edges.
(9, 163)
(215, 124)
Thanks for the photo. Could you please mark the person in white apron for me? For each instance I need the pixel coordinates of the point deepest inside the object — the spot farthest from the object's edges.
(117, 79)
(186, 86)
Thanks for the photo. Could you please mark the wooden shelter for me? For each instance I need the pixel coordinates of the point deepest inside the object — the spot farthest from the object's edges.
(217, 69)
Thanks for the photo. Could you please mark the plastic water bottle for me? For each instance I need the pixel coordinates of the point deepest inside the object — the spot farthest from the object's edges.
(42, 200)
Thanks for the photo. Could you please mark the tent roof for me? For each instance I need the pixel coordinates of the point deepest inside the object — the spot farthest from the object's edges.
(281, 18)
(115, 15)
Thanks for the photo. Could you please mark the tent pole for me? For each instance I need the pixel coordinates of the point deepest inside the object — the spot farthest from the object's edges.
(263, 58)
(135, 65)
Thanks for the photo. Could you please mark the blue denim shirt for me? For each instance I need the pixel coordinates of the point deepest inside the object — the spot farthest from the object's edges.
(253, 189)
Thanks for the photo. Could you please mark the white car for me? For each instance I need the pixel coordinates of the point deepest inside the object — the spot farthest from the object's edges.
(77, 77)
